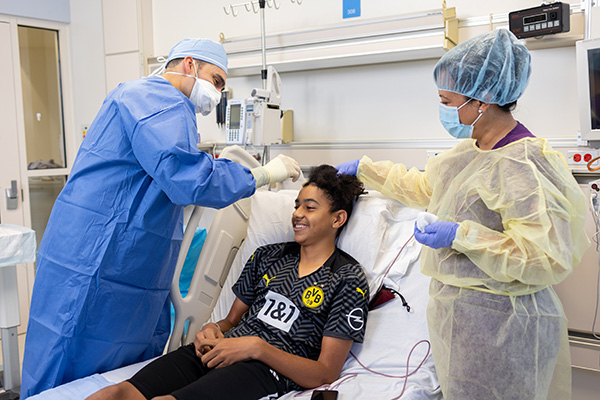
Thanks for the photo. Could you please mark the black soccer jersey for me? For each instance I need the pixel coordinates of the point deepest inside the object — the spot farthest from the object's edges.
(292, 313)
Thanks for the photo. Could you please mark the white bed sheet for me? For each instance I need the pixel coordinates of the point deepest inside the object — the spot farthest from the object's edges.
(378, 231)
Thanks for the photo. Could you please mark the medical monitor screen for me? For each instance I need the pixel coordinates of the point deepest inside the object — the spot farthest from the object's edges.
(594, 70)
(234, 116)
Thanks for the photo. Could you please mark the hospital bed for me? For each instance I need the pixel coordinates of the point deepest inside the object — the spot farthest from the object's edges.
(395, 358)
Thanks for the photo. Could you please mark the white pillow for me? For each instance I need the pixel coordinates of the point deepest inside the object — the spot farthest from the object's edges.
(378, 231)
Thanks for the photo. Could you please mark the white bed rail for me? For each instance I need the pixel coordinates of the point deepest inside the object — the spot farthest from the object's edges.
(226, 234)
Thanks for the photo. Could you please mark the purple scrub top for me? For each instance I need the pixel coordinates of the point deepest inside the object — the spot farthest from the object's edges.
(519, 132)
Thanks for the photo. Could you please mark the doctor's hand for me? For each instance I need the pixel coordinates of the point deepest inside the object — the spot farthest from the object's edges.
(278, 169)
(437, 234)
(225, 352)
(210, 331)
(348, 168)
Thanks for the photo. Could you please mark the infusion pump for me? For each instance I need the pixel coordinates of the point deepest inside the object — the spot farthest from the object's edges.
(239, 121)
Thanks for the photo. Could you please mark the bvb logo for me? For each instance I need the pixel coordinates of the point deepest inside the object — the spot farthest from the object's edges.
(312, 297)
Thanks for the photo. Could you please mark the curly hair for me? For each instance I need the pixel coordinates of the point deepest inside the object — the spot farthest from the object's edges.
(341, 190)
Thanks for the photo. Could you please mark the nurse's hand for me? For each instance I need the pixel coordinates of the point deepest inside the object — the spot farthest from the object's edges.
(225, 352)
(437, 235)
(210, 331)
(348, 168)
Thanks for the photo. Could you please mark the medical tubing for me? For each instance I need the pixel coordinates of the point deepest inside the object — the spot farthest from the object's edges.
(387, 271)
(589, 164)
(405, 377)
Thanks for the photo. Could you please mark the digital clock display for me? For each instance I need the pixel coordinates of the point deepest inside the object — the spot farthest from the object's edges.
(534, 18)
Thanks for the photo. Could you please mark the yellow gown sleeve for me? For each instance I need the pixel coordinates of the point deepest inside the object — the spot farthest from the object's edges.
(410, 187)
(543, 219)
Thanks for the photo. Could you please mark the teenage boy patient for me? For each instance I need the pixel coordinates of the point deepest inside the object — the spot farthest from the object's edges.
(299, 307)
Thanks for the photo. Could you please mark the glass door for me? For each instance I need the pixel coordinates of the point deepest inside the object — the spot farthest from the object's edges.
(39, 56)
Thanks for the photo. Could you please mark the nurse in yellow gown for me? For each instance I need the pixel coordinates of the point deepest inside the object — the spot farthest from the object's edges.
(511, 225)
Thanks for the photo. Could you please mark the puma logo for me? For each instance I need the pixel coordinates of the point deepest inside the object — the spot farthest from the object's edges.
(359, 290)
(267, 279)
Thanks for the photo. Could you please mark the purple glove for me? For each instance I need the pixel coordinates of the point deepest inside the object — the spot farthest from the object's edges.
(348, 168)
(437, 235)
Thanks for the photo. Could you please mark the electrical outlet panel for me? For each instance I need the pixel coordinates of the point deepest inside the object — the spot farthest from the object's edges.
(581, 157)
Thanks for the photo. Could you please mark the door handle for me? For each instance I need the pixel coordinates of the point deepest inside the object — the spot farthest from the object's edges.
(12, 197)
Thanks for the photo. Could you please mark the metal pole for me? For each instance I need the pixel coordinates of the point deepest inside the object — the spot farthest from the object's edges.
(9, 321)
(585, 4)
(263, 46)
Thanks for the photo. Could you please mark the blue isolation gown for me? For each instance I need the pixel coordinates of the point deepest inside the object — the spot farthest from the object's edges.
(107, 258)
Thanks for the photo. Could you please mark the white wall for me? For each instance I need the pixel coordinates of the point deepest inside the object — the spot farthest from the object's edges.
(87, 60)
(396, 101)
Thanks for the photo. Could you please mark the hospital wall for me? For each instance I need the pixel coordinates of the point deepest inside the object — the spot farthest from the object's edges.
(375, 103)
(385, 110)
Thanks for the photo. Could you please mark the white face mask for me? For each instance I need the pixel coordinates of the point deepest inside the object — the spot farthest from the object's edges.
(204, 95)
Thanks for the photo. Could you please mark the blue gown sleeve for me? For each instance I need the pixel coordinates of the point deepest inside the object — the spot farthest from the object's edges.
(165, 144)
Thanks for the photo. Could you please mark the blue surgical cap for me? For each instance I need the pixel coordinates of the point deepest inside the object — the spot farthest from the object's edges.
(493, 67)
(200, 49)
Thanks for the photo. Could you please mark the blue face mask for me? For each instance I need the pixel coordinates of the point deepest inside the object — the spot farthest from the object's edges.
(451, 121)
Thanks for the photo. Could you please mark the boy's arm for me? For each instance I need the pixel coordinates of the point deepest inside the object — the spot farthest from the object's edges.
(214, 330)
(238, 309)
(305, 372)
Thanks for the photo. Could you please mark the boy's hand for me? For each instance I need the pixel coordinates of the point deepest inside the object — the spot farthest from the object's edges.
(225, 352)
(209, 331)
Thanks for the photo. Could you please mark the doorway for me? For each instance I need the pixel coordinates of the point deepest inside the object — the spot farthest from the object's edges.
(36, 136)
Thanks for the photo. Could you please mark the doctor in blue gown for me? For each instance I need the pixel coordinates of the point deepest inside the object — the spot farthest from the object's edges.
(106, 261)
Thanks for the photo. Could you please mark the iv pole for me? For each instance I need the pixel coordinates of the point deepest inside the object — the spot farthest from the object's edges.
(263, 47)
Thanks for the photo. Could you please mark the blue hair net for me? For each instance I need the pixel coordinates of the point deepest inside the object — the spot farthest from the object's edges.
(493, 67)
(200, 49)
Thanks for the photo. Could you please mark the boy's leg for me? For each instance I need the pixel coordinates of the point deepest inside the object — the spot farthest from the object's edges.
(169, 373)
(244, 380)
(120, 391)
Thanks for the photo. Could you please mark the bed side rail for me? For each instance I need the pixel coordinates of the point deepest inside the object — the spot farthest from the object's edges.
(225, 236)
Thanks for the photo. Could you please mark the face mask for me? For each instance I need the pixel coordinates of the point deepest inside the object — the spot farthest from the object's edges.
(451, 121)
(204, 95)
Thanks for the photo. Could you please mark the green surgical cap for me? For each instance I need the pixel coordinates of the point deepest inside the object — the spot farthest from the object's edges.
(200, 49)
(493, 67)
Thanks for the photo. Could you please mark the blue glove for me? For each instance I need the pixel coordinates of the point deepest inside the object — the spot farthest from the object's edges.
(437, 235)
(348, 168)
